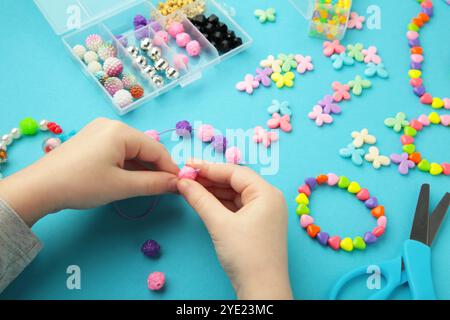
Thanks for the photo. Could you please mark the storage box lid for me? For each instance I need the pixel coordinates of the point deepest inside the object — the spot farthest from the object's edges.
(66, 15)
(305, 7)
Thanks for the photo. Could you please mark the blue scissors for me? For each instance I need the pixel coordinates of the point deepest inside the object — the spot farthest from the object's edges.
(414, 265)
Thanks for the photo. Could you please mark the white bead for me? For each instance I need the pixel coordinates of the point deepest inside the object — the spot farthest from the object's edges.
(7, 138)
(16, 134)
(43, 125)
(3, 145)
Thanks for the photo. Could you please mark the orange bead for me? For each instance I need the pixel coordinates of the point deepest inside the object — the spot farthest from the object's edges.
(313, 230)
(321, 179)
(424, 17)
(415, 157)
(378, 211)
(418, 22)
(137, 92)
(416, 50)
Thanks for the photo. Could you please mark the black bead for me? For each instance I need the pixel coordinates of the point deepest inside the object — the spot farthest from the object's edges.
(237, 42)
(209, 28)
(231, 34)
(199, 20)
(217, 35)
(225, 46)
(213, 19)
(222, 27)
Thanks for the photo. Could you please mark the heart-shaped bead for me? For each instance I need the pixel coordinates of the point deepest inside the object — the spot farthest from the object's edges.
(426, 99)
(323, 237)
(447, 103)
(312, 230)
(434, 118)
(437, 103)
(302, 198)
(412, 35)
(302, 209)
(378, 231)
(371, 203)
(409, 148)
(344, 182)
(424, 165)
(423, 119)
(304, 189)
(363, 195)
(322, 179)
(416, 82)
(359, 244)
(415, 157)
(347, 244)
(410, 131)
(378, 211)
(406, 139)
(369, 238)
(417, 58)
(306, 220)
(446, 168)
(334, 242)
(382, 221)
(445, 120)
(435, 169)
(333, 179)
(354, 187)
(416, 124)
(311, 182)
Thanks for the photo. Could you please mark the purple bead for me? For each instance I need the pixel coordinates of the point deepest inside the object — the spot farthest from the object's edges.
(416, 65)
(151, 248)
(219, 143)
(428, 11)
(414, 43)
(322, 237)
(419, 91)
(139, 21)
(369, 238)
(183, 128)
(155, 25)
(311, 182)
(141, 33)
(371, 203)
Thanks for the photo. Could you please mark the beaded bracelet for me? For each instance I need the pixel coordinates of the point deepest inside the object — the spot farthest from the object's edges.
(335, 242)
(30, 127)
(415, 73)
(410, 156)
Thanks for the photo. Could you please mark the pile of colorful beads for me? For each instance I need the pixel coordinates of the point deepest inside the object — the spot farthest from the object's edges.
(329, 19)
(30, 127)
(278, 70)
(417, 59)
(101, 60)
(411, 157)
(189, 7)
(336, 242)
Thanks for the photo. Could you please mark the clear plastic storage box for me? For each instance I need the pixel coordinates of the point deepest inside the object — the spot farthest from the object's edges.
(76, 20)
(328, 18)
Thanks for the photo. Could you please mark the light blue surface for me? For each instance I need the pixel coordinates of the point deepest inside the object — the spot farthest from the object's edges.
(39, 79)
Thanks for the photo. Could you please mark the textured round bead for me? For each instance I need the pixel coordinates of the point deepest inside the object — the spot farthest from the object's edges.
(94, 67)
(233, 155)
(106, 51)
(183, 128)
(188, 173)
(219, 143)
(175, 28)
(113, 67)
(90, 56)
(79, 51)
(183, 39)
(122, 98)
(137, 92)
(161, 37)
(113, 84)
(128, 81)
(153, 134)
(205, 132)
(193, 48)
(94, 42)
(156, 281)
(151, 248)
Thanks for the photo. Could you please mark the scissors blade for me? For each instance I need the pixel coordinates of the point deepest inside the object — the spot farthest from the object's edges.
(419, 230)
(437, 217)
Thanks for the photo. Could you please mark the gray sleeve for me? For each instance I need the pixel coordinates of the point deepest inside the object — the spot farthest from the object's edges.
(18, 245)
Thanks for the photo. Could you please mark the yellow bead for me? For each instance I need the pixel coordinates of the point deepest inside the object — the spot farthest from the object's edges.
(434, 118)
(436, 169)
(437, 103)
(347, 244)
(354, 187)
(302, 198)
(413, 73)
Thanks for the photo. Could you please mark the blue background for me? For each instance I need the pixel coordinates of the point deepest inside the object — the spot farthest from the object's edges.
(40, 79)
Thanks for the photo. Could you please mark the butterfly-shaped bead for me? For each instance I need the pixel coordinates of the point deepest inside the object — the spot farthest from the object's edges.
(272, 63)
(398, 122)
(319, 116)
(404, 164)
(358, 84)
(373, 70)
(304, 63)
(341, 91)
(282, 80)
(356, 154)
(282, 122)
(263, 76)
(340, 60)
(279, 107)
(329, 106)
(332, 47)
(264, 137)
(362, 137)
(370, 55)
(268, 15)
(377, 159)
(355, 51)
(248, 85)
(355, 21)
(288, 62)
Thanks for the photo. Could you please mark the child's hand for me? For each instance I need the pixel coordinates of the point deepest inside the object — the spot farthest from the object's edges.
(247, 220)
(89, 170)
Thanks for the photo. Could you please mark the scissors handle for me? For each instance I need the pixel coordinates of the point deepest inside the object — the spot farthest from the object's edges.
(417, 259)
(390, 270)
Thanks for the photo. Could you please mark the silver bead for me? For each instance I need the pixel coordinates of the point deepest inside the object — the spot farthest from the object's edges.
(7, 139)
(161, 64)
(155, 53)
(172, 73)
(43, 125)
(146, 44)
(16, 134)
(3, 146)
(149, 71)
(133, 51)
(157, 81)
(141, 61)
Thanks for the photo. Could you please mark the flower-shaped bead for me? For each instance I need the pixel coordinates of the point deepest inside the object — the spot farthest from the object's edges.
(328, 105)
(279, 107)
(398, 122)
(319, 116)
(304, 63)
(248, 85)
(358, 84)
(282, 122)
(356, 154)
(288, 62)
(268, 15)
(377, 159)
(341, 91)
(332, 47)
(355, 51)
(272, 63)
(264, 137)
(355, 21)
(370, 55)
(282, 80)
(263, 76)
(362, 137)
(340, 60)
(373, 69)
(404, 164)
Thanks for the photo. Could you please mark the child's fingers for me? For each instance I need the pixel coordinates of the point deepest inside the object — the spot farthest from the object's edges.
(223, 194)
(207, 206)
(147, 183)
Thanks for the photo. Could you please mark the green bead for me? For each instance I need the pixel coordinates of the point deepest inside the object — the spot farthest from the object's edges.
(358, 243)
(28, 127)
(410, 131)
(344, 182)
(413, 27)
(409, 148)
(302, 209)
(424, 165)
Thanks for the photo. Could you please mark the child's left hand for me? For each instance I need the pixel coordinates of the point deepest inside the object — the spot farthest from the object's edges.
(89, 171)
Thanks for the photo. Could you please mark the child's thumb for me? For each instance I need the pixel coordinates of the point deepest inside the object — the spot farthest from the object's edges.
(201, 200)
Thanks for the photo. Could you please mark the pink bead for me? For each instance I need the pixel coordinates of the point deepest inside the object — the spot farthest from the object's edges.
(417, 58)
(233, 155)
(305, 189)
(416, 82)
(161, 37)
(205, 132)
(412, 35)
(156, 281)
(306, 220)
(416, 124)
(446, 167)
(382, 222)
(378, 231)
(188, 173)
(180, 61)
(193, 48)
(153, 134)
(183, 39)
(175, 28)
(333, 179)
(446, 103)
(445, 120)
(424, 120)
(113, 67)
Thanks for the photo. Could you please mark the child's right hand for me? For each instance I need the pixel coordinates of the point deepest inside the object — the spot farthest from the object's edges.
(247, 220)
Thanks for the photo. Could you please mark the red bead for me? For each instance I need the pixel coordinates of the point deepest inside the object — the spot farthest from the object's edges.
(54, 128)
(418, 22)
(313, 230)
(424, 17)
(378, 211)
(415, 157)
(321, 179)
(416, 50)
